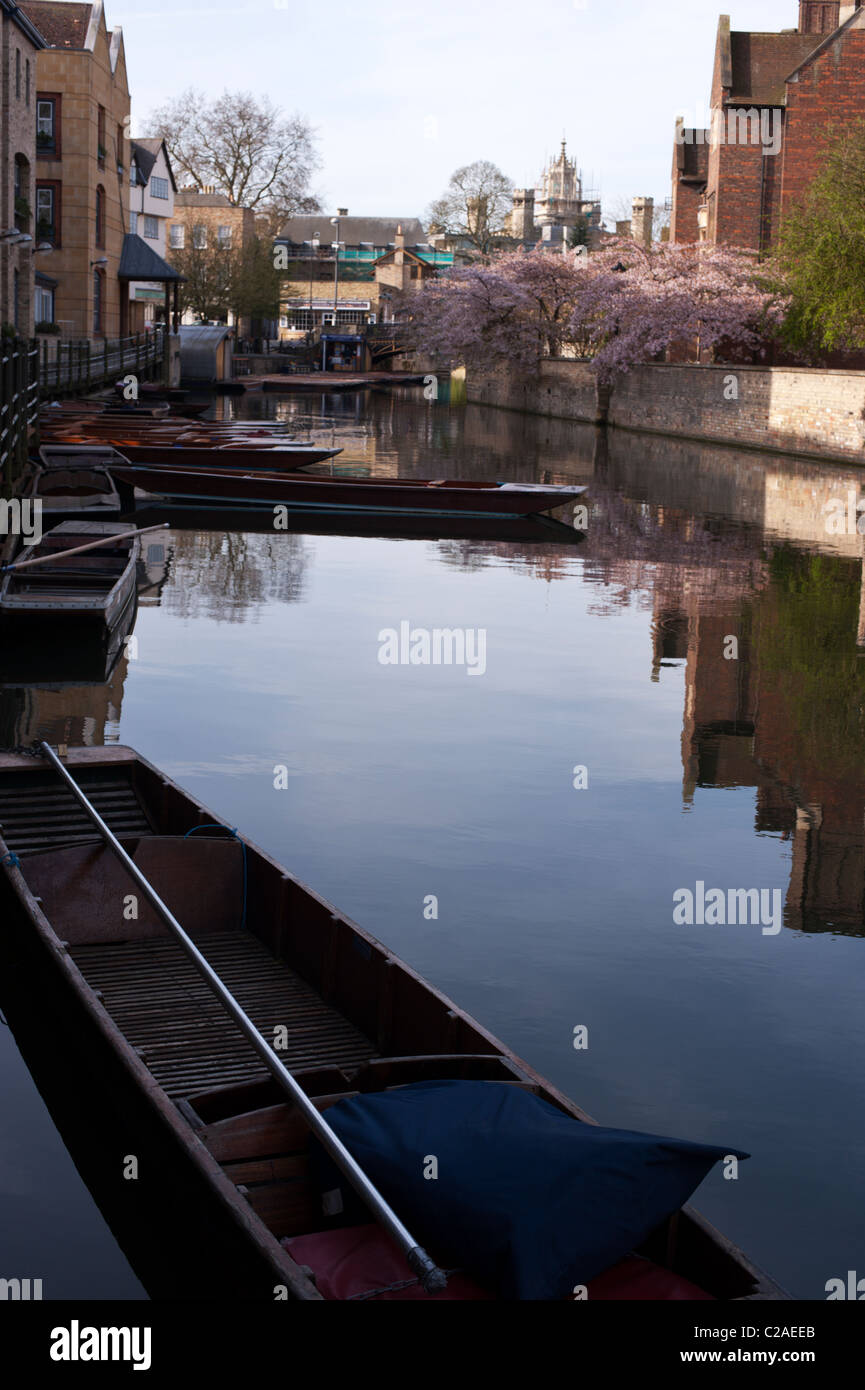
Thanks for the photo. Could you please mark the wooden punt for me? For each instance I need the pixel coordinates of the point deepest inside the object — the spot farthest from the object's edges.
(259, 486)
(221, 1152)
(235, 451)
(74, 481)
(93, 590)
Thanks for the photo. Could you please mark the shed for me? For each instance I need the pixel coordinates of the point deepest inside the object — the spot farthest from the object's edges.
(205, 353)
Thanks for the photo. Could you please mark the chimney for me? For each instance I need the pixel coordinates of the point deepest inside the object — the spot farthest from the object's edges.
(819, 16)
(642, 214)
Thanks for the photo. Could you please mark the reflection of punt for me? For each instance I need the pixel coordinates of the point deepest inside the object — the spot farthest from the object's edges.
(330, 493)
(225, 1171)
(528, 530)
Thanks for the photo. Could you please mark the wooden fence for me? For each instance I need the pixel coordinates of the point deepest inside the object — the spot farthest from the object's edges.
(68, 366)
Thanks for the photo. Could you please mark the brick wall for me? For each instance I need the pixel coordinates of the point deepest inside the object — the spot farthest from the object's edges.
(804, 411)
(17, 138)
(830, 91)
(85, 81)
(567, 390)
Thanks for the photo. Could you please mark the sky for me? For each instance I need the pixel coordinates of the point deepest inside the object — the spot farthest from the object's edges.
(401, 94)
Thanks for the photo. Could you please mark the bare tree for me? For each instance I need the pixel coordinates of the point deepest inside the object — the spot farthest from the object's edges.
(474, 205)
(243, 147)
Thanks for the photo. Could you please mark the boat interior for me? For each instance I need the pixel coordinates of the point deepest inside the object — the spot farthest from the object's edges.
(345, 1016)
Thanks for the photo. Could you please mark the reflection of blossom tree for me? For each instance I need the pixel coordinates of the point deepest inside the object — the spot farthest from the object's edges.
(224, 575)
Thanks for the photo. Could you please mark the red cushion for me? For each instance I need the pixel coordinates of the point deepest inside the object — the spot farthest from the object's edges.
(636, 1278)
(353, 1260)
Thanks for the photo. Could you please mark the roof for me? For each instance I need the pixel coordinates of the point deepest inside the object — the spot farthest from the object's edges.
(138, 261)
(761, 63)
(62, 25)
(191, 198)
(144, 158)
(27, 27)
(377, 231)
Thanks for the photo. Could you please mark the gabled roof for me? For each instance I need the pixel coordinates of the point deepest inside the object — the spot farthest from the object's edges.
(760, 64)
(410, 255)
(376, 231)
(138, 261)
(856, 20)
(144, 159)
(63, 25)
(27, 27)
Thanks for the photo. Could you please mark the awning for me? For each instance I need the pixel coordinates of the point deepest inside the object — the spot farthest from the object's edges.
(45, 281)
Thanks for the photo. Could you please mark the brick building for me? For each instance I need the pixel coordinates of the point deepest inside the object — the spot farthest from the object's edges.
(774, 97)
(20, 42)
(82, 163)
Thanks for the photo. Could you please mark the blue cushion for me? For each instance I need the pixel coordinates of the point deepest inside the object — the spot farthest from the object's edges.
(527, 1200)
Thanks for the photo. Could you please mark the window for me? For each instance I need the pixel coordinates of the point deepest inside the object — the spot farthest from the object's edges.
(177, 237)
(223, 235)
(133, 174)
(151, 228)
(100, 216)
(43, 300)
(48, 213)
(159, 188)
(100, 137)
(120, 147)
(199, 237)
(48, 125)
(97, 300)
(21, 188)
(133, 222)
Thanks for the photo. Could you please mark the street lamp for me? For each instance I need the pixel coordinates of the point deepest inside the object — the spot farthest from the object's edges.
(103, 260)
(334, 222)
(316, 242)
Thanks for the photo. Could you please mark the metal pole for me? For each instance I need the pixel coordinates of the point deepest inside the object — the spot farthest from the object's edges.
(431, 1277)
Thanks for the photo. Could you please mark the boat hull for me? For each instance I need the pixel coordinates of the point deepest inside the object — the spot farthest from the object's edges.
(341, 494)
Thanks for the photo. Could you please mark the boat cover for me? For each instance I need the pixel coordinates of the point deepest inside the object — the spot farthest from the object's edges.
(499, 1183)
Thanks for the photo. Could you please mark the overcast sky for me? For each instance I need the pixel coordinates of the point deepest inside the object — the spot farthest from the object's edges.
(402, 93)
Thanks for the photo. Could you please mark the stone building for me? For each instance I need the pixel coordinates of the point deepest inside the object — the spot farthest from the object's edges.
(208, 222)
(82, 163)
(375, 258)
(20, 42)
(774, 98)
(549, 212)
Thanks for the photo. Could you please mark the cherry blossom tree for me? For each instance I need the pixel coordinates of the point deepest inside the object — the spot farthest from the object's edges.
(620, 306)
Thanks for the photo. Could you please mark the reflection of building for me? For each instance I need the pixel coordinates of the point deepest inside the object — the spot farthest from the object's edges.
(74, 714)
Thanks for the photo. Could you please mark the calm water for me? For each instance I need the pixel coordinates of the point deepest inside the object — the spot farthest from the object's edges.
(258, 649)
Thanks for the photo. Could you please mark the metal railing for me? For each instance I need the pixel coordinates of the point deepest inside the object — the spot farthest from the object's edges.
(69, 365)
(19, 403)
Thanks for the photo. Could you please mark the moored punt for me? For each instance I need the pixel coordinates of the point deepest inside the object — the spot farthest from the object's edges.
(180, 1081)
(260, 486)
(74, 481)
(92, 590)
